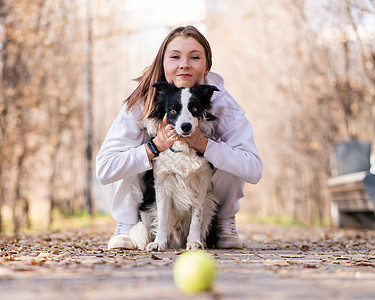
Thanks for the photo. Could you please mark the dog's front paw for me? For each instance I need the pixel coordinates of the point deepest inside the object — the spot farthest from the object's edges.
(154, 246)
(194, 245)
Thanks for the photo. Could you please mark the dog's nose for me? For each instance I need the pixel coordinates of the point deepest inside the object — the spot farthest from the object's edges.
(186, 127)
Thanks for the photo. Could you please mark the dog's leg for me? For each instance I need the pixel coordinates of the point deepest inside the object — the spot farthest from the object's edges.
(194, 238)
(163, 204)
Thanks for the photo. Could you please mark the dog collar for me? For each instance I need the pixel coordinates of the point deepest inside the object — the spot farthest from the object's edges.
(174, 150)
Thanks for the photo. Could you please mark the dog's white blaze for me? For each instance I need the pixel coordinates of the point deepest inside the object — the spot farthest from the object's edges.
(185, 116)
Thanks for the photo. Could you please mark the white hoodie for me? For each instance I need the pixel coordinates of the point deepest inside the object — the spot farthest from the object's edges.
(122, 158)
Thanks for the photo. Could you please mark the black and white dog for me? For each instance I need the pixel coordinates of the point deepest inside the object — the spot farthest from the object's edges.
(178, 209)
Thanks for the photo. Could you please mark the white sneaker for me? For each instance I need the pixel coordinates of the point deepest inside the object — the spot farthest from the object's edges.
(121, 238)
(228, 237)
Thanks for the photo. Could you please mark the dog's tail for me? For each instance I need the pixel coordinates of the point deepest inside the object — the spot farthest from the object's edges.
(140, 236)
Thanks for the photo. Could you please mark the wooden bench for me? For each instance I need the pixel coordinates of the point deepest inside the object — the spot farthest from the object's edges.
(351, 204)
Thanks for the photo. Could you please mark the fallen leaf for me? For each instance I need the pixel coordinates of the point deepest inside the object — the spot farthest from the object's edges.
(44, 255)
(154, 257)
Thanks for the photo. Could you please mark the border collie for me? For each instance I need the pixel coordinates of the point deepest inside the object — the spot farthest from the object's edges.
(179, 204)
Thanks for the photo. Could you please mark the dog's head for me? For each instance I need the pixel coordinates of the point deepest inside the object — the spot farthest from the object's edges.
(184, 107)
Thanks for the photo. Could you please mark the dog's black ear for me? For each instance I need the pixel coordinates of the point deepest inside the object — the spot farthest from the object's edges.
(209, 117)
(204, 93)
(159, 110)
(163, 86)
(205, 90)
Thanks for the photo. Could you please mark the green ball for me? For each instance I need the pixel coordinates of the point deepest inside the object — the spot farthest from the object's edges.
(194, 271)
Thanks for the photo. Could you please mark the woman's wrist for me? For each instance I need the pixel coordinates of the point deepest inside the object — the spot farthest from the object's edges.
(158, 144)
(152, 147)
(150, 155)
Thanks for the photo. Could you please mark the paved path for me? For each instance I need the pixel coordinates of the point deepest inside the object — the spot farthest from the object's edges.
(276, 263)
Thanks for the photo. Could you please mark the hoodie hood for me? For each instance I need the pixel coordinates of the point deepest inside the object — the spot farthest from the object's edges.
(215, 79)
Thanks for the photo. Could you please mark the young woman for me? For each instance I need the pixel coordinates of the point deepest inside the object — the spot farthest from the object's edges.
(185, 59)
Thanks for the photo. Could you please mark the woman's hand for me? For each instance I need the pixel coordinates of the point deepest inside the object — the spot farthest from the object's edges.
(166, 135)
(196, 140)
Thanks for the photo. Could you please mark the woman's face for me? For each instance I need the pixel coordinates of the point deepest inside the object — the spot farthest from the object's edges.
(184, 62)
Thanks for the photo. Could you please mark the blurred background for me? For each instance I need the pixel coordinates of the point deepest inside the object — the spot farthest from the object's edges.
(303, 71)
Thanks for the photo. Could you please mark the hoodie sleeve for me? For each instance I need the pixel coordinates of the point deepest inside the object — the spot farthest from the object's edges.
(122, 154)
(234, 150)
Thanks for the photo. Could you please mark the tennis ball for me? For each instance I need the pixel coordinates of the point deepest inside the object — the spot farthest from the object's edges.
(194, 271)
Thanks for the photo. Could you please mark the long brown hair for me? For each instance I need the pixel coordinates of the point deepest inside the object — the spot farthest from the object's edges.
(155, 73)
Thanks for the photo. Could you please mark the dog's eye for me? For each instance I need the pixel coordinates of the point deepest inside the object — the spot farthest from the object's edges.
(194, 109)
(173, 112)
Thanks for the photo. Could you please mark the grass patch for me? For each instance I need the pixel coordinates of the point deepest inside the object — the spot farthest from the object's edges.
(60, 221)
(63, 221)
(277, 220)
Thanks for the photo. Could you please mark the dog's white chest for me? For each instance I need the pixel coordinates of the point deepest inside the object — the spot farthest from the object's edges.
(181, 161)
